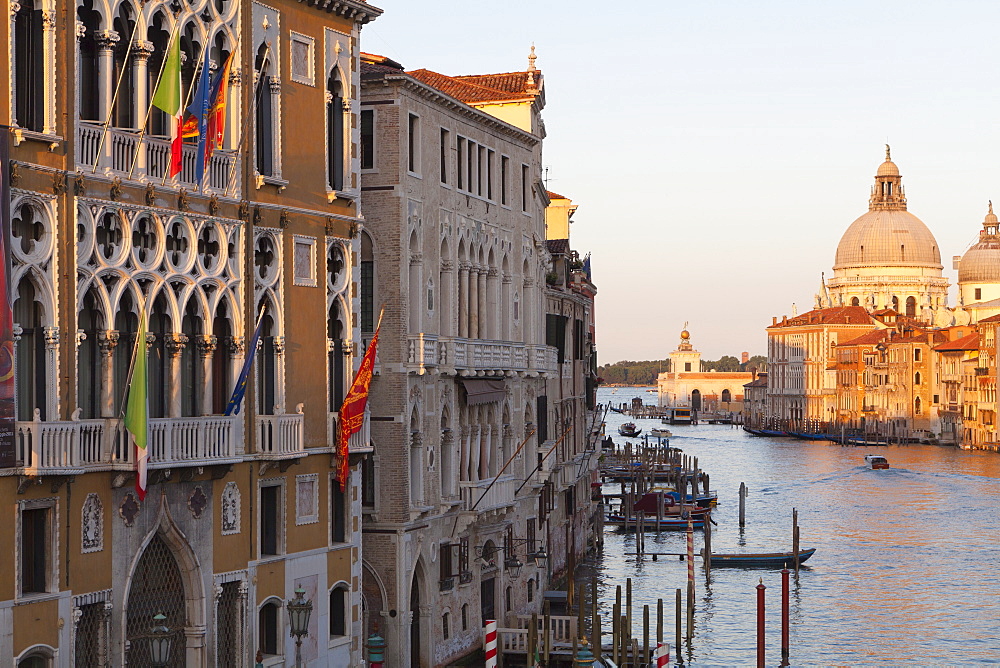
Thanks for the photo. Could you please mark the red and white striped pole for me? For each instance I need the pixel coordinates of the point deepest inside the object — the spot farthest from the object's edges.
(662, 656)
(490, 644)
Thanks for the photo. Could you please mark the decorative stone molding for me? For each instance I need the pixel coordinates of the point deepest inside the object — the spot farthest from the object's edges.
(81, 30)
(230, 509)
(107, 40)
(92, 525)
(129, 509)
(275, 85)
(142, 49)
(237, 345)
(175, 343)
(197, 502)
(206, 344)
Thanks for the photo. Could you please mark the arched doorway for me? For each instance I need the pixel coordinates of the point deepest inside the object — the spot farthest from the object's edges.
(156, 588)
(696, 400)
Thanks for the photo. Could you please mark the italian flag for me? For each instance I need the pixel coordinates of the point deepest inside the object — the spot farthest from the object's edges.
(168, 98)
(137, 411)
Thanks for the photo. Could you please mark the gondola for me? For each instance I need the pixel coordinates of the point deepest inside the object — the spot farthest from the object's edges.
(766, 560)
(616, 410)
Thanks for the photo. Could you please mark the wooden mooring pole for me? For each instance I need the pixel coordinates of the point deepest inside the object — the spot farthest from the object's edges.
(743, 504)
(760, 623)
(795, 538)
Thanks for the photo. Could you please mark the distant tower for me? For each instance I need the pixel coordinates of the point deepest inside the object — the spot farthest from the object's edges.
(745, 357)
(685, 359)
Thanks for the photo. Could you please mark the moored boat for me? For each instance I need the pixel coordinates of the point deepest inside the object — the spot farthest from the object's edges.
(666, 524)
(760, 560)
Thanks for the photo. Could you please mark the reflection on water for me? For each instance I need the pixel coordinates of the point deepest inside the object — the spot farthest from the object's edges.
(907, 561)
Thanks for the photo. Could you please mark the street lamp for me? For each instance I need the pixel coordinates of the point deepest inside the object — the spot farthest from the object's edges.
(299, 611)
(159, 641)
(585, 658)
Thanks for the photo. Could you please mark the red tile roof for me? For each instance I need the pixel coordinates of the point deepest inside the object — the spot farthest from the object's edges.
(558, 246)
(869, 339)
(970, 342)
(553, 195)
(472, 89)
(992, 318)
(839, 315)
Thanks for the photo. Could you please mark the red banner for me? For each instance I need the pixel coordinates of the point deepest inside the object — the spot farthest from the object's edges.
(7, 453)
(352, 412)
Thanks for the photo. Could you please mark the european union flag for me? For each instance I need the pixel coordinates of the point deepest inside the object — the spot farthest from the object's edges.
(241, 383)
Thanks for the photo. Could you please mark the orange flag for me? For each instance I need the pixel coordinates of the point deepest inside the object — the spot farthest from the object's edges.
(352, 412)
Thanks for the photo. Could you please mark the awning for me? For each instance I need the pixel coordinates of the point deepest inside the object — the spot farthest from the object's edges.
(483, 390)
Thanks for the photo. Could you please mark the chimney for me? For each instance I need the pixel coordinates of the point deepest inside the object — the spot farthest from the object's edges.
(774, 320)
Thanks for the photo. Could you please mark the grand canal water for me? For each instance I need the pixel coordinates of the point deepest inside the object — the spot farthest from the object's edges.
(907, 568)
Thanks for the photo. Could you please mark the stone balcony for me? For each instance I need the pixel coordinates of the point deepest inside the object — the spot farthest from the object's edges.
(478, 357)
(479, 497)
(118, 153)
(76, 446)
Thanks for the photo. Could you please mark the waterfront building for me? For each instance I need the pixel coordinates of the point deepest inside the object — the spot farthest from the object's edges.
(240, 510)
(572, 468)
(685, 385)
(468, 399)
(755, 401)
(801, 363)
(951, 359)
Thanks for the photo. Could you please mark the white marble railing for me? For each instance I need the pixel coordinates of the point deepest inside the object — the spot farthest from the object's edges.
(76, 444)
(359, 440)
(280, 435)
(118, 153)
(499, 495)
(475, 355)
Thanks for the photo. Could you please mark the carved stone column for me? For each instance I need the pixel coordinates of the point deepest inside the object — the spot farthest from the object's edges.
(447, 468)
(463, 300)
(106, 40)
(174, 344)
(463, 462)
(485, 443)
(474, 302)
(207, 346)
(51, 371)
(49, 70)
(141, 52)
(482, 310)
(476, 452)
(492, 304)
(416, 468)
(107, 341)
(279, 375)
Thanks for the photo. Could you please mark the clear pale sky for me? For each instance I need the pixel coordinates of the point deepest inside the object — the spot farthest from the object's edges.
(718, 150)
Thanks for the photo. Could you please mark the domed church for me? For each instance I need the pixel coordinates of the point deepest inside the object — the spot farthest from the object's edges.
(888, 258)
(979, 274)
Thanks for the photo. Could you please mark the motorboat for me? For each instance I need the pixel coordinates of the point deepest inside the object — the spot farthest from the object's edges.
(629, 430)
(876, 462)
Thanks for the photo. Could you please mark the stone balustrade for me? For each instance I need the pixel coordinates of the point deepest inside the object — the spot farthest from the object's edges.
(488, 498)
(478, 356)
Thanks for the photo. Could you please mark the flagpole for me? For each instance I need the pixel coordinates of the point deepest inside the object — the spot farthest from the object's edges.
(198, 66)
(149, 110)
(232, 54)
(246, 122)
(114, 98)
(131, 364)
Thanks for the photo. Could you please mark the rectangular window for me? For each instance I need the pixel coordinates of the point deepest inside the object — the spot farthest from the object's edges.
(489, 175)
(460, 153)
(367, 139)
(687, 366)
(470, 161)
(555, 334)
(270, 519)
(504, 170)
(542, 416)
(524, 188)
(338, 513)
(34, 550)
(413, 144)
(368, 482)
(367, 293)
(480, 170)
(463, 555)
(979, 294)
(444, 155)
(530, 535)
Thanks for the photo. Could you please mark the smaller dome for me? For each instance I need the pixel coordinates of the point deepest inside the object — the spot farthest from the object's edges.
(981, 263)
(685, 335)
(888, 168)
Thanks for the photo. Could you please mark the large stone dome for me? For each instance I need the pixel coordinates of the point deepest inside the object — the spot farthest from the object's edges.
(888, 238)
(981, 263)
(888, 235)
